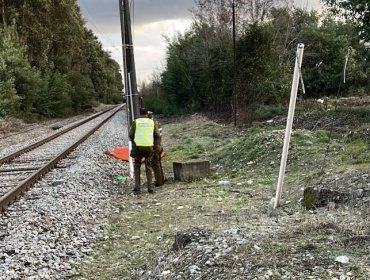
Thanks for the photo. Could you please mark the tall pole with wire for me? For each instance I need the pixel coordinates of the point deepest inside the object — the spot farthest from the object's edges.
(132, 97)
(127, 94)
(129, 62)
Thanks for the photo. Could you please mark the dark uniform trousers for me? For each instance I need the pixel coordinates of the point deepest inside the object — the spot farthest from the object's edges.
(140, 153)
(157, 168)
(157, 162)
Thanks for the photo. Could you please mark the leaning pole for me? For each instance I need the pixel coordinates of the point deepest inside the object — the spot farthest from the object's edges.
(289, 124)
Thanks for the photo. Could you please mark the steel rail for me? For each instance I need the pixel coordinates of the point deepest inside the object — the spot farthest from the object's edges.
(31, 147)
(26, 184)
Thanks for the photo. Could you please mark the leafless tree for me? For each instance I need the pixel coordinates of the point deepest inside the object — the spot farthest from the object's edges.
(247, 11)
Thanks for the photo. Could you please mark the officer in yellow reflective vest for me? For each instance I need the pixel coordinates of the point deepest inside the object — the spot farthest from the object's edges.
(142, 134)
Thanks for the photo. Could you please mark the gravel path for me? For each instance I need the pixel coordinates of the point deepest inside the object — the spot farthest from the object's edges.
(54, 225)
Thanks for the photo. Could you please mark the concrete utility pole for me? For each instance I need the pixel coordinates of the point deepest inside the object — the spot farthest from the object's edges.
(132, 96)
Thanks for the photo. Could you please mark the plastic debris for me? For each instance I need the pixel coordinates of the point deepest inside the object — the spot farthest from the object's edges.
(120, 178)
(224, 182)
(223, 210)
(342, 259)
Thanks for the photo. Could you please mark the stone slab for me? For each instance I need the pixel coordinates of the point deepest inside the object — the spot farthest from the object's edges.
(190, 170)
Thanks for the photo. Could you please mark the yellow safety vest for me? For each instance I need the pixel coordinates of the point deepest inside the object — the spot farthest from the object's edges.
(144, 128)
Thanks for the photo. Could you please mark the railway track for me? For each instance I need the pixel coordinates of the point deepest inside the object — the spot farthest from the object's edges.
(21, 169)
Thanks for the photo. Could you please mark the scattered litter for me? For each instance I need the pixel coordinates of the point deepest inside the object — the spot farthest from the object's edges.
(57, 183)
(135, 237)
(180, 207)
(224, 182)
(256, 247)
(223, 210)
(342, 259)
(120, 178)
(166, 272)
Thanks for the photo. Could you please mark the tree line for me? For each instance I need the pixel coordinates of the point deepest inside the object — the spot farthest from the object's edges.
(199, 72)
(50, 64)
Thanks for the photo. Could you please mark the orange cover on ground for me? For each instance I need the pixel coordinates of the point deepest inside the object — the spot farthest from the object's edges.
(119, 153)
(123, 153)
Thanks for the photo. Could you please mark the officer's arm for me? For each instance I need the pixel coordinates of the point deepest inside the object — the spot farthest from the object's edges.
(131, 134)
(156, 133)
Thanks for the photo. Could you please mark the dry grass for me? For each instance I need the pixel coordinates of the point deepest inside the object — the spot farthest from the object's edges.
(305, 243)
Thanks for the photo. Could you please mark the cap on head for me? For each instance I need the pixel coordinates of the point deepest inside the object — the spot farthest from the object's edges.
(143, 111)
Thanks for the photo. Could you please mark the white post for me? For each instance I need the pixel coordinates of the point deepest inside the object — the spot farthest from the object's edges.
(345, 66)
(129, 142)
(131, 164)
(288, 130)
(132, 105)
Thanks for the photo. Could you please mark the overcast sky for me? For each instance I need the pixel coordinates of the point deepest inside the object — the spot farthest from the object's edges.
(152, 19)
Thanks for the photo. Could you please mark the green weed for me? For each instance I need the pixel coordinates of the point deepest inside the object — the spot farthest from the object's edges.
(323, 136)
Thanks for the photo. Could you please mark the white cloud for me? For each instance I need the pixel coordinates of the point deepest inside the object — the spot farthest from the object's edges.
(152, 20)
(150, 44)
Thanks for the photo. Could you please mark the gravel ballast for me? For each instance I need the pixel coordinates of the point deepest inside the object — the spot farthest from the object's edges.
(53, 226)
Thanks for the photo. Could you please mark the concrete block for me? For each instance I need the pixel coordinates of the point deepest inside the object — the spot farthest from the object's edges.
(187, 171)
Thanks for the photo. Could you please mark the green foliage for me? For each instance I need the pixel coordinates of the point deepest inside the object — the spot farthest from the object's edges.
(178, 81)
(199, 72)
(159, 105)
(357, 10)
(360, 114)
(264, 80)
(323, 136)
(19, 82)
(82, 91)
(356, 148)
(50, 64)
(55, 100)
(327, 45)
(266, 112)
(9, 102)
(353, 137)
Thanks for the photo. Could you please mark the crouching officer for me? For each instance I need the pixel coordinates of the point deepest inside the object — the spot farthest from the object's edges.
(157, 156)
(142, 134)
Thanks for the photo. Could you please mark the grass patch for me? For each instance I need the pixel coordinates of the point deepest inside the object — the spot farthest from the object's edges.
(245, 165)
(323, 136)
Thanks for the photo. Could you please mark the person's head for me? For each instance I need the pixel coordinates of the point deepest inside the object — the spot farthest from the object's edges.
(143, 112)
(150, 114)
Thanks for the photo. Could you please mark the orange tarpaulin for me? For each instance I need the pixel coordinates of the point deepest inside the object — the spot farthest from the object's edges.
(119, 153)
(123, 153)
